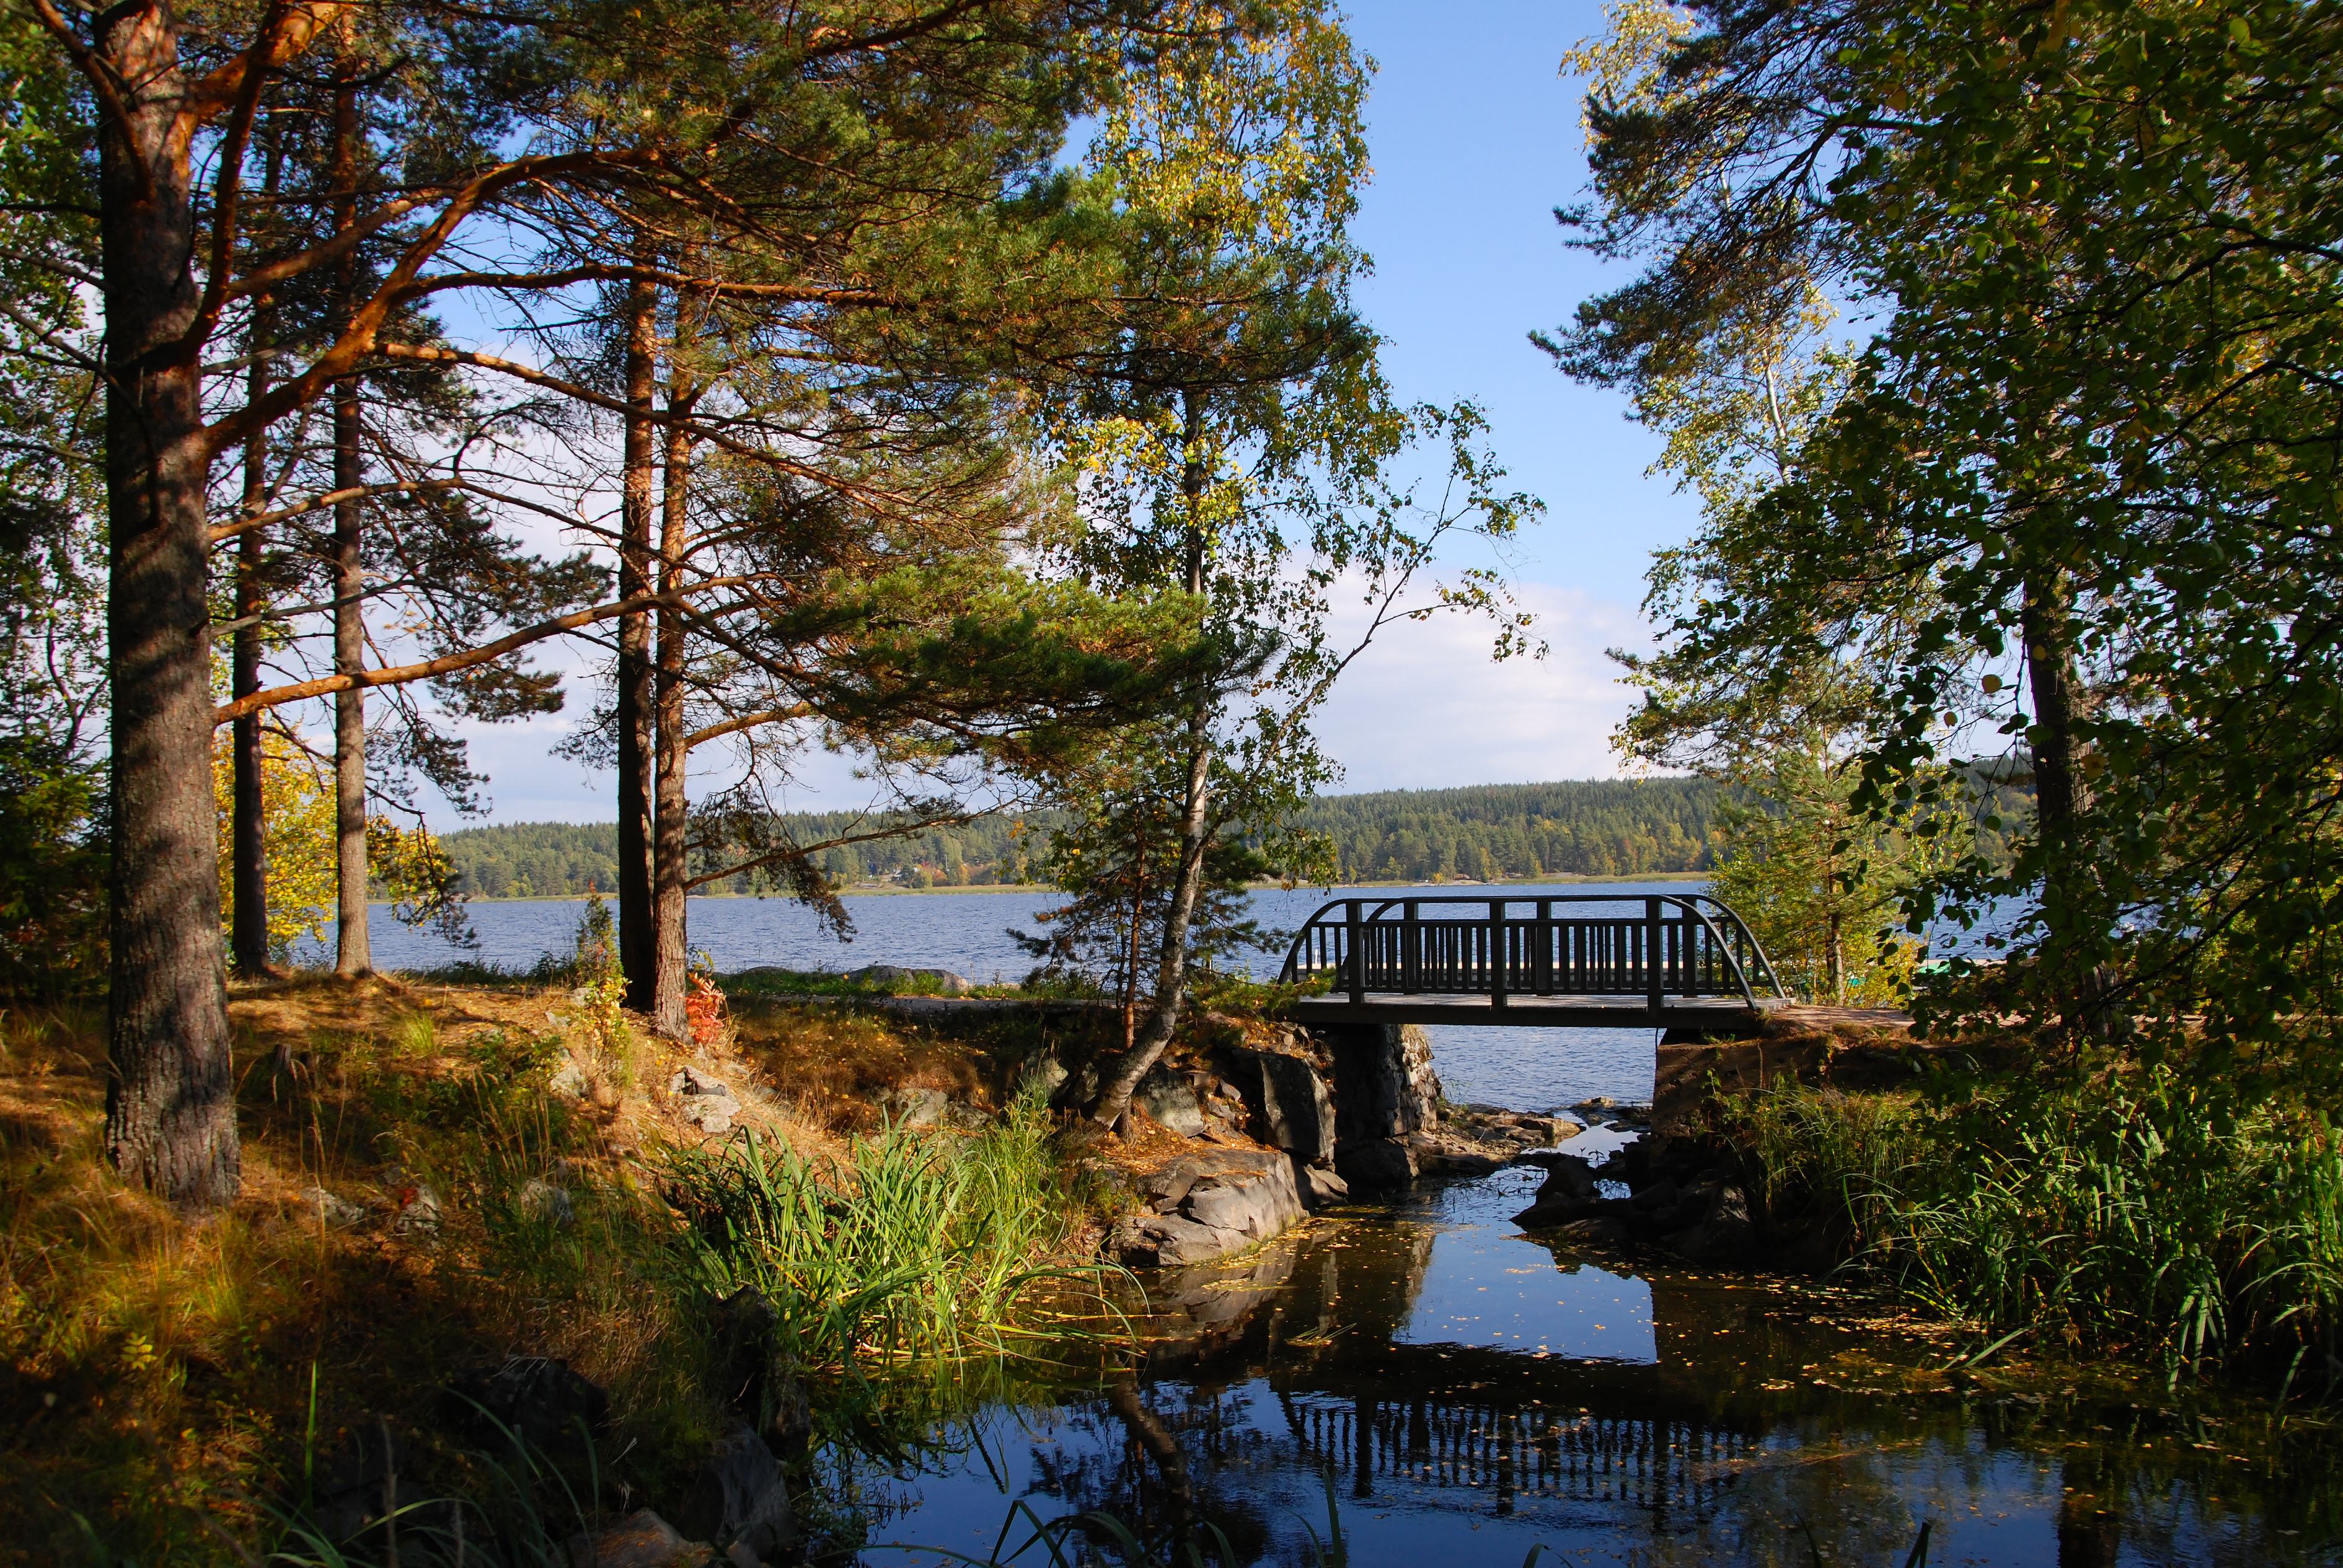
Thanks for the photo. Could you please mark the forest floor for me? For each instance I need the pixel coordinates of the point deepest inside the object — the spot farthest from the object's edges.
(430, 1177)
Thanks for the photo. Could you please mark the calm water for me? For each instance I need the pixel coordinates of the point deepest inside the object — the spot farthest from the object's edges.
(968, 933)
(1441, 1388)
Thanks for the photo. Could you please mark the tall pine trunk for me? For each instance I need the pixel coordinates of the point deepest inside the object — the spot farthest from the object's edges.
(249, 806)
(1113, 1102)
(670, 967)
(170, 1108)
(638, 930)
(353, 951)
(248, 824)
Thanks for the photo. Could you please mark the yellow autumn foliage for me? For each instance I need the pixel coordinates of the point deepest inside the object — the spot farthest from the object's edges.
(297, 818)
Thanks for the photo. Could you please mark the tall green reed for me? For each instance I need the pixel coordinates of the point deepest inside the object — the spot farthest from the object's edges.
(925, 1245)
(2147, 1211)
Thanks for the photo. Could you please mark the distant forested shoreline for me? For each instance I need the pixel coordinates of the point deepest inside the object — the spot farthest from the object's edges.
(1483, 833)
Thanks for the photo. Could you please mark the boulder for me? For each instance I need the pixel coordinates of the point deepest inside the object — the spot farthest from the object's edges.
(738, 1496)
(1318, 1184)
(570, 1079)
(914, 1107)
(1207, 1206)
(640, 1540)
(1168, 1097)
(944, 981)
(1567, 1177)
(1437, 1156)
(330, 1209)
(1383, 1165)
(537, 1399)
(543, 1201)
(692, 1081)
(1562, 1210)
(711, 1113)
(1600, 1230)
(1285, 1099)
(418, 1212)
(1725, 1234)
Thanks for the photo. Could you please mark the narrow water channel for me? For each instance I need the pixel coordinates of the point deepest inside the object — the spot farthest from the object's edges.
(1433, 1386)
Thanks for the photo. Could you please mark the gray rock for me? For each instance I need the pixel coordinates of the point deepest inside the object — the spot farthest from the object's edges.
(1567, 1177)
(738, 1495)
(570, 1078)
(1602, 1231)
(640, 1540)
(1208, 1206)
(692, 1080)
(543, 1201)
(1318, 1186)
(1725, 1234)
(1167, 1241)
(1045, 1073)
(1560, 1210)
(333, 1210)
(1439, 1157)
(1383, 1165)
(945, 981)
(909, 1107)
(711, 1113)
(418, 1213)
(1167, 1097)
(1286, 1098)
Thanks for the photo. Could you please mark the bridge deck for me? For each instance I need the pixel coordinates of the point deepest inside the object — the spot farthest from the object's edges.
(1533, 1011)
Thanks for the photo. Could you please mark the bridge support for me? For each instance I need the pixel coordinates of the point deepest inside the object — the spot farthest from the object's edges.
(1384, 1089)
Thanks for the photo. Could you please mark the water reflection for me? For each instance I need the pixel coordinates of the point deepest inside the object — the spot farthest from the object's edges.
(1429, 1382)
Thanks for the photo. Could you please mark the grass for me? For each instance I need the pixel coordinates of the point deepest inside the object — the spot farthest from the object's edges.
(2141, 1212)
(910, 1248)
(154, 1368)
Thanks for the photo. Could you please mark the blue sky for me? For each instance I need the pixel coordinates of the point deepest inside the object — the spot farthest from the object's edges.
(1474, 138)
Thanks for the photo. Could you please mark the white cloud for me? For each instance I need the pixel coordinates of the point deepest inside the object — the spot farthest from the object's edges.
(1425, 707)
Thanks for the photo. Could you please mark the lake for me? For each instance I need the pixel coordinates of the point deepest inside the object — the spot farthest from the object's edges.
(968, 934)
(1422, 1381)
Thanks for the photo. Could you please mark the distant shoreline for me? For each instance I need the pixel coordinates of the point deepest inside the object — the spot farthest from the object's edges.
(1557, 880)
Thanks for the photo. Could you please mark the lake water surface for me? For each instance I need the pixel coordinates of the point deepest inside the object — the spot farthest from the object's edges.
(1430, 1385)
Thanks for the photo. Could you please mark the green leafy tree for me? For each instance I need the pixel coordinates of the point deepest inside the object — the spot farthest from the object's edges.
(1235, 438)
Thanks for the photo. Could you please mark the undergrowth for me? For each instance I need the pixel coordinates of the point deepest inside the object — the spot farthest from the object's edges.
(2141, 1212)
(911, 1247)
(156, 1368)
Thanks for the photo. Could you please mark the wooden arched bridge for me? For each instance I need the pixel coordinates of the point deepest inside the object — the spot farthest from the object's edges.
(1666, 960)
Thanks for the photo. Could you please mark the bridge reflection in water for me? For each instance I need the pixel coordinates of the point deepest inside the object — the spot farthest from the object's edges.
(1387, 1366)
(1510, 1453)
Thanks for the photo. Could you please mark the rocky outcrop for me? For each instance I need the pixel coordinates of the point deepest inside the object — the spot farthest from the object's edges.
(1285, 1099)
(1682, 1197)
(1207, 1206)
(640, 1540)
(708, 1104)
(944, 981)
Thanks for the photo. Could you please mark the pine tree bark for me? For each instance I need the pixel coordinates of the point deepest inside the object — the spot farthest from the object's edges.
(638, 942)
(670, 969)
(353, 950)
(170, 1109)
(249, 805)
(248, 825)
(1113, 1102)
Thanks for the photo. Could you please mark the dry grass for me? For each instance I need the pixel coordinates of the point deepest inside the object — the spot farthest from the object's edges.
(156, 1370)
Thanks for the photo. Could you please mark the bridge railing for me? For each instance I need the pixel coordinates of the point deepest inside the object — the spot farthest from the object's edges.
(1651, 946)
